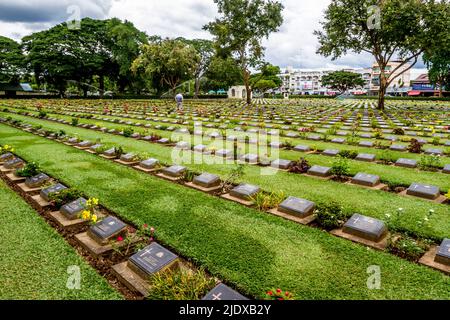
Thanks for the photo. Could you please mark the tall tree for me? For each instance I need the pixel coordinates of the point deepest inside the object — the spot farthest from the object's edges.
(222, 73)
(437, 55)
(240, 30)
(125, 41)
(11, 61)
(387, 29)
(205, 49)
(267, 78)
(170, 61)
(342, 81)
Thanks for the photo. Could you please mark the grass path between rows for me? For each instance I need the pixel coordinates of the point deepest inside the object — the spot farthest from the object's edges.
(251, 250)
(354, 199)
(35, 258)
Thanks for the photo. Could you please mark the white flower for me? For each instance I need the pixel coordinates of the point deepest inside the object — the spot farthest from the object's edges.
(387, 215)
(426, 219)
(431, 211)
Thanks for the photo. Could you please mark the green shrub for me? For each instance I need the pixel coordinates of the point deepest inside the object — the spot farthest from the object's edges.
(31, 169)
(64, 197)
(349, 154)
(430, 162)
(180, 284)
(42, 114)
(75, 121)
(407, 247)
(387, 157)
(127, 132)
(330, 215)
(266, 201)
(399, 131)
(340, 167)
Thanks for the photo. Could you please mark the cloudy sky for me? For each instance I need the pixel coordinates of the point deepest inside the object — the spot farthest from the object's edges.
(294, 45)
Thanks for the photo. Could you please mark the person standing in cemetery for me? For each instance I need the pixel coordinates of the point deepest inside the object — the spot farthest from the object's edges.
(179, 101)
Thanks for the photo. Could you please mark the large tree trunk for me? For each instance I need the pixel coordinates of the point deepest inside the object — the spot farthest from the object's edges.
(102, 85)
(247, 86)
(441, 89)
(197, 88)
(382, 90)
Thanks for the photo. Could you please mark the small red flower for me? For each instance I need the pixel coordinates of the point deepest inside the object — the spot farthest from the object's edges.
(287, 294)
(119, 239)
(270, 293)
(145, 226)
(151, 239)
(278, 290)
(280, 299)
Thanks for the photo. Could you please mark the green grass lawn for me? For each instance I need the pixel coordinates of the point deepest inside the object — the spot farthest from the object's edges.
(34, 258)
(251, 250)
(352, 198)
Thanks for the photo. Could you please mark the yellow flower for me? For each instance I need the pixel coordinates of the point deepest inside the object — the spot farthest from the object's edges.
(95, 201)
(12, 150)
(86, 215)
(94, 218)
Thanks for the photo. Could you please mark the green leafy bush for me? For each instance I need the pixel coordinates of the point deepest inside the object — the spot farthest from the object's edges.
(330, 215)
(180, 284)
(340, 167)
(349, 154)
(31, 169)
(407, 247)
(75, 121)
(127, 132)
(64, 197)
(430, 162)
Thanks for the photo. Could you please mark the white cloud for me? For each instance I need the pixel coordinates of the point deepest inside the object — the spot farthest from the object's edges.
(294, 45)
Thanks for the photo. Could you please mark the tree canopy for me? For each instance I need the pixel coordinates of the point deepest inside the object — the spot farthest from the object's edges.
(11, 61)
(169, 62)
(240, 29)
(388, 30)
(342, 81)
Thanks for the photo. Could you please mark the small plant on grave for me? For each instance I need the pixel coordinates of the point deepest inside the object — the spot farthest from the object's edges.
(6, 148)
(101, 149)
(137, 239)
(300, 167)
(349, 154)
(127, 132)
(180, 284)
(118, 152)
(436, 141)
(278, 294)
(340, 167)
(415, 146)
(330, 215)
(288, 145)
(407, 247)
(447, 195)
(64, 197)
(398, 131)
(387, 157)
(189, 176)
(235, 175)
(90, 211)
(75, 122)
(430, 162)
(37, 127)
(353, 140)
(266, 201)
(31, 169)
(42, 114)
(378, 134)
(60, 134)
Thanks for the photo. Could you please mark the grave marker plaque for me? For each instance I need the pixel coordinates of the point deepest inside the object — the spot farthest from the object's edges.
(245, 191)
(398, 147)
(15, 163)
(407, 163)
(6, 157)
(105, 230)
(224, 293)
(367, 157)
(298, 207)
(207, 180)
(423, 191)
(365, 227)
(330, 152)
(129, 157)
(365, 179)
(72, 210)
(446, 168)
(320, 171)
(174, 171)
(149, 164)
(281, 164)
(36, 181)
(302, 148)
(57, 188)
(151, 260)
(443, 253)
(436, 152)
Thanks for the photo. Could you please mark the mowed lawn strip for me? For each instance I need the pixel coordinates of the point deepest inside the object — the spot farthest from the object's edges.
(34, 258)
(251, 250)
(396, 176)
(354, 199)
